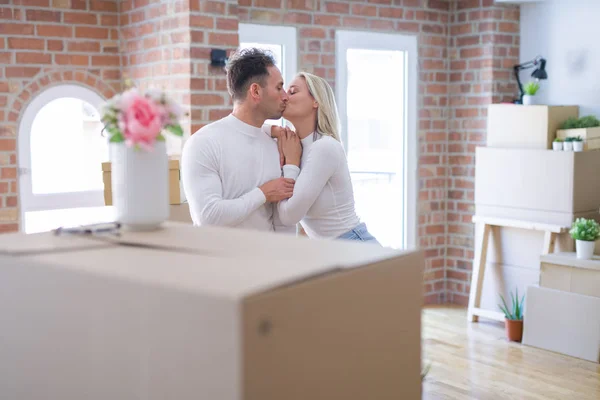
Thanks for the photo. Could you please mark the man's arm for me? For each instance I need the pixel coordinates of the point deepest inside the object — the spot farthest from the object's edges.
(204, 190)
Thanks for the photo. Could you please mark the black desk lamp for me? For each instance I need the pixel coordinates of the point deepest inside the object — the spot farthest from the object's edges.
(538, 73)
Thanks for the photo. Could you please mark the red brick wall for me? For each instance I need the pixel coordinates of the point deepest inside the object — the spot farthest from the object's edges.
(484, 45)
(213, 24)
(42, 43)
(155, 48)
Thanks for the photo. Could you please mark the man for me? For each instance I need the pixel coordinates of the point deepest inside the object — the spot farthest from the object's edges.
(231, 169)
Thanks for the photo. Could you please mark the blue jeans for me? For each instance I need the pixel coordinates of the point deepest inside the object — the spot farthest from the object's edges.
(359, 233)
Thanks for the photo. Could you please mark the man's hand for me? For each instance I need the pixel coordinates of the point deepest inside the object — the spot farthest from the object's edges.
(291, 147)
(278, 189)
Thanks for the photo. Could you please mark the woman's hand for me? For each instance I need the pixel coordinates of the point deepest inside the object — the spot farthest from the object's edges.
(291, 147)
(277, 132)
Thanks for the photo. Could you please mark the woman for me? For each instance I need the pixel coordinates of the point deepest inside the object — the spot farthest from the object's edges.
(323, 199)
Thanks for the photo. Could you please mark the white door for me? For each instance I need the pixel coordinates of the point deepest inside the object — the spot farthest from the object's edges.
(280, 41)
(61, 150)
(377, 94)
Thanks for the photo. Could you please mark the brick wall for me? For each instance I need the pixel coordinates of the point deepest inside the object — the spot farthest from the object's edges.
(484, 45)
(43, 43)
(213, 24)
(466, 51)
(155, 48)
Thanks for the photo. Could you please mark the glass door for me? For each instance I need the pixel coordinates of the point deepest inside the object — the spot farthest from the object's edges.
(376, 90)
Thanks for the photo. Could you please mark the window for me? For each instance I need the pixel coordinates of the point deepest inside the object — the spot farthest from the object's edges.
(61, 151)
(280, 41)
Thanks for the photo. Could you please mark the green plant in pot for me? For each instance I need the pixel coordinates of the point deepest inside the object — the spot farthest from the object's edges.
(568, 144)
(530, 90)
(513, 316)
(577, 143)
(557, 144)
(585, 232)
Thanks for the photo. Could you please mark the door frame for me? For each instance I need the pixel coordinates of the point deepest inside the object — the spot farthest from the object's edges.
(28, 201)
(344, 40)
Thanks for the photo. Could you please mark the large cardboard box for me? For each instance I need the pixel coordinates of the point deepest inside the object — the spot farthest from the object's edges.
(176, 193)
(551, 187)
(208, 313)
(564, 271)
(563, 322)
(520, 126)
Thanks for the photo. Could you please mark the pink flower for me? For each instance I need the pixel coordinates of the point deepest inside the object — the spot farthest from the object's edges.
(140, 120)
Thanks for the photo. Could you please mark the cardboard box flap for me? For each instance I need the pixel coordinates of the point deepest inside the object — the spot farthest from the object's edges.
(216, 275)
(245, 243)
(18, 244)
(571, 260)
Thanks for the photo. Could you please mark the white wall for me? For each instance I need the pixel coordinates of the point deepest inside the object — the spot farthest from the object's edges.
(567, 34)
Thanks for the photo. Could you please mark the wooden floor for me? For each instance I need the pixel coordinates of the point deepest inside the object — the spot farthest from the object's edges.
(475, 361)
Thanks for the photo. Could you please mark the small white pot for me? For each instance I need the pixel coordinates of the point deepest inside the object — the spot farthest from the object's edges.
(557, 146)
(585, 249)
(528, 100)
(568, 146)
(140, 186)
(577, 146)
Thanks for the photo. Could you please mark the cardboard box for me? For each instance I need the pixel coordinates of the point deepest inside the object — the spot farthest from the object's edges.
(563, 322)
(552, 187)
(176, 194)
(520, 126)
(564, 271)
(208, 313)
(590, 136)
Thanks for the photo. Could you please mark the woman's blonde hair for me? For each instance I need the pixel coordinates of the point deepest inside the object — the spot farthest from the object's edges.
(328, 121)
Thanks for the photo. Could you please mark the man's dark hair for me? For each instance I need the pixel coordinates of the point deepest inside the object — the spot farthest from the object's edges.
(246, 67)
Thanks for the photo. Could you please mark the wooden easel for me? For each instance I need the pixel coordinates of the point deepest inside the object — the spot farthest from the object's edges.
(475, 311)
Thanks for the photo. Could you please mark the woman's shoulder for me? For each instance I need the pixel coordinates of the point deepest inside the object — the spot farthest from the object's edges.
(327, 143)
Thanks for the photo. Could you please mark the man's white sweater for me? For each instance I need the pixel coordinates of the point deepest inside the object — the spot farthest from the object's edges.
(222, 166)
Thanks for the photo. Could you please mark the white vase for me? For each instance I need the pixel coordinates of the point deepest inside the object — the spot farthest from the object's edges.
(568, 146)
(585, 249)
(140, 186)
(528, 100)
(577, 146)
(557, 146)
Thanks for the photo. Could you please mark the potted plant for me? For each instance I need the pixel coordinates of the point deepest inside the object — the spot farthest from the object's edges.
(585, 232)
(568, 144)
(513, 317)
(530, 89)
(557, 144)
(135, 121)
(577, 143)
(587, 128)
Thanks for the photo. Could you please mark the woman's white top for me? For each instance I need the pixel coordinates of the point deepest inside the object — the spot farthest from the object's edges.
(323, 199)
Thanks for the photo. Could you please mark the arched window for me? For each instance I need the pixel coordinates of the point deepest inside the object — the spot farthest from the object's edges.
(61, 150)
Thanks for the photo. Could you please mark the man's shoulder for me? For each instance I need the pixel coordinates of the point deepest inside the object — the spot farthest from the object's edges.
(214, 128)
(211, 134)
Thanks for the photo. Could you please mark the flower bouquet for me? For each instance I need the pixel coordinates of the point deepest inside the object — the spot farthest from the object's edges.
(135, 122)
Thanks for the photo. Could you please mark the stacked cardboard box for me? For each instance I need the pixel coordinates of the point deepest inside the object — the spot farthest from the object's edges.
(562, 313)
(519, 177)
